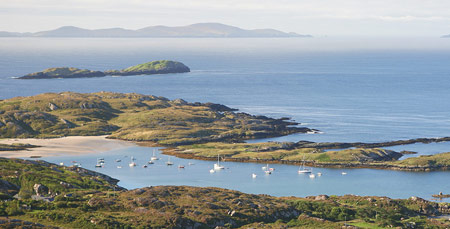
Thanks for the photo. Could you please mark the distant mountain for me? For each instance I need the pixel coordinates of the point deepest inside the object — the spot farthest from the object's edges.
(446, 36)
(194, 30)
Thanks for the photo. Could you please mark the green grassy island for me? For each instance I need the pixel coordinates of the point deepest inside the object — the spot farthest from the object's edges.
(292, 153)
(40, 194)
(154, 67)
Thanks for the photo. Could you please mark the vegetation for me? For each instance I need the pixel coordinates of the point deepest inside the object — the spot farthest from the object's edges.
(132, 117)
(63, 72)
(288, 152)
(154, 67)
(86, 200)
(15, 146)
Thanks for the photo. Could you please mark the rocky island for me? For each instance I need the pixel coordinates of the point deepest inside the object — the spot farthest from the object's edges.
(37, 194)
(149, 68)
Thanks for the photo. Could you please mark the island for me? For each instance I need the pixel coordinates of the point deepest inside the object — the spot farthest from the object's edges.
(149, 68)
(37, 194)
(315, 154)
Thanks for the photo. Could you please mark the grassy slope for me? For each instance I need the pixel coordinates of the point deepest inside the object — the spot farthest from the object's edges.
(131, 117)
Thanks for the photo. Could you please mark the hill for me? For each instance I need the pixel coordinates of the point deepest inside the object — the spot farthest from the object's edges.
(133, 117)
(194, 30)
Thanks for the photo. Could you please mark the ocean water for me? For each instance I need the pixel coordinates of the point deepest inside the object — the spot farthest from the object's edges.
(365, 90)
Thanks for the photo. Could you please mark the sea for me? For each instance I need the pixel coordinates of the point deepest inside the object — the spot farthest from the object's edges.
(350, 89)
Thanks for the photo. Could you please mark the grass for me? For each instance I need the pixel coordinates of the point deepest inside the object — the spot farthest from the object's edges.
(132, 117)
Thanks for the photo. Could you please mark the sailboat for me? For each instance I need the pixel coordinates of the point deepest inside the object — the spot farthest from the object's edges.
(303, 170)
(154, 158)
(268, 170)
(169, 162)
(254, 175)
(217, 166)
(132, 163)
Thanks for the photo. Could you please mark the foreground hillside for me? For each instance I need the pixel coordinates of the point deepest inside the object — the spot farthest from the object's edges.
(132, 117)
(52, 195)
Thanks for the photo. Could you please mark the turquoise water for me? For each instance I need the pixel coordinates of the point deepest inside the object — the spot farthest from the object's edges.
(368, 91)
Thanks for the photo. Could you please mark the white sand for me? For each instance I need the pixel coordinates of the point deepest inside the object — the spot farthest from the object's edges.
(75, 145)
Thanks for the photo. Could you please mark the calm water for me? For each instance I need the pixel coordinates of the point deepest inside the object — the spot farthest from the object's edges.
(367, 90)
(283, 182)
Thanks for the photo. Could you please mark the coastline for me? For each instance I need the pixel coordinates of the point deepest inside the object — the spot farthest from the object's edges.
(72, 145)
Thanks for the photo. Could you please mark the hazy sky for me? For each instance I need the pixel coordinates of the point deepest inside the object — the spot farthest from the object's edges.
(316, 17)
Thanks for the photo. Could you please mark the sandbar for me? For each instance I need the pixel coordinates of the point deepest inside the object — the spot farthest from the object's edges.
(72, 145)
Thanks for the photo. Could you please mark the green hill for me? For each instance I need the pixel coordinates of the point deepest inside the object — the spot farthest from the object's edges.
(132, 117)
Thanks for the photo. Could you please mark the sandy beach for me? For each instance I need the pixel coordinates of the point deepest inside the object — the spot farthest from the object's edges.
(74, 145)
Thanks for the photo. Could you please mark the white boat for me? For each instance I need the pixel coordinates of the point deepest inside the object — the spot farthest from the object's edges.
(344, 173)
(302, 169)
(319, 174)
(312, 176)
(98, 165)
(264, 168)
(254, 175)
(154, 158)
(118, 160)
(212, 171)
(217, 166)
(132, 163)
(268, 170)
(190, 163)
(169, 162)
(61, 164)
(150, 162)
(119, 167)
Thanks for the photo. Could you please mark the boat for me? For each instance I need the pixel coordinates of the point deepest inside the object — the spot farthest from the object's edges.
(132, 163)
(118, 160)
(61, 163)
(98, 165)
(319, 174)
(312, 176)
(169, 162)
(212, 171)
(190, 163)
(181, 166)
(150, 162)
(344, 173)
(264, 168)
(119, 167)
(144, 166)
(154, 158)
(268, 170)
(254, 175)
(217, 166)
(302, 169)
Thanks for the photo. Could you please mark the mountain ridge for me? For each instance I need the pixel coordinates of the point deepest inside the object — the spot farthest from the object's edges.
(194, 30)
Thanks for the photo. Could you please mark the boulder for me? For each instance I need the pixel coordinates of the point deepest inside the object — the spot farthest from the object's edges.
(53, 106)
(40, 189)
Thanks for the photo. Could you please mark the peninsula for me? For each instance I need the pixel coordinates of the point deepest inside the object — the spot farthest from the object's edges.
(134, 117)
(37, 194)
(149, 68)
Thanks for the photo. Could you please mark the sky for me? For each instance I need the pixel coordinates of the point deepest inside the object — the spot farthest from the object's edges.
(316, 17)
